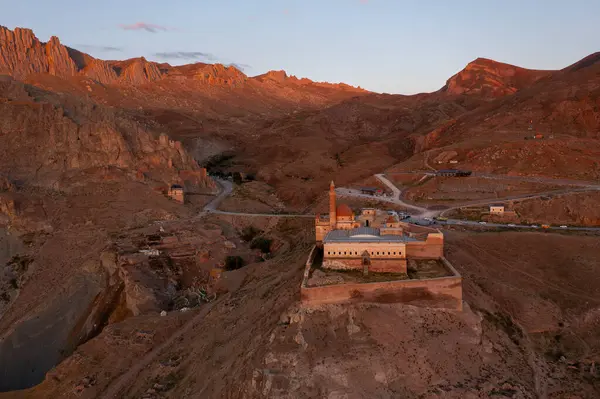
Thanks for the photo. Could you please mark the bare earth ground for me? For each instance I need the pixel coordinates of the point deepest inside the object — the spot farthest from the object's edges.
(548, 284)
(405, 179)
(446, 190)
(255, 341)
(253, 197)
(575, 209)
(571, 209)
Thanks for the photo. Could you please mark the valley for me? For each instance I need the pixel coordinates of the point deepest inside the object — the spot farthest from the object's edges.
(110, 289)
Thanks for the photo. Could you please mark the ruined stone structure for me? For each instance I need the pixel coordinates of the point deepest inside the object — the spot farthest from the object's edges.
(176, 193)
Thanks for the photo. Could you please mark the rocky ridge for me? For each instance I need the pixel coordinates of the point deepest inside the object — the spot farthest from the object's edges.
(492, 79)
(46, 137)
(22, 54)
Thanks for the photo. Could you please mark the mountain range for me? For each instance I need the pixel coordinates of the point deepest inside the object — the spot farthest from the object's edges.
(295, 132)
(89, 147)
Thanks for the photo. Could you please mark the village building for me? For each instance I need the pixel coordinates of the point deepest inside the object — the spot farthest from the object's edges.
(176, 193)
(497, 209)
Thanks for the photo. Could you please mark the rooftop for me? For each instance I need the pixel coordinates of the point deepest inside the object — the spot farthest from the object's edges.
(363, 234)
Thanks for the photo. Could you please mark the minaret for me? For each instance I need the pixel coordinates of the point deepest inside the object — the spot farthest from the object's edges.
(332, 207)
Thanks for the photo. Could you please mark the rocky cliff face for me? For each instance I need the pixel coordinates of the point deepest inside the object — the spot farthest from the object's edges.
(21, 54)
(492, 79)
(281, 77)
(44, 138)
(211, 74)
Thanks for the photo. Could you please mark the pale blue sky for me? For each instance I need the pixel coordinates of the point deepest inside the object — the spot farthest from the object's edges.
(394, 46)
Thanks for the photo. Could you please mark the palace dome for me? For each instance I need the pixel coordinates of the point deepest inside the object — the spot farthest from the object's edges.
(344, 210)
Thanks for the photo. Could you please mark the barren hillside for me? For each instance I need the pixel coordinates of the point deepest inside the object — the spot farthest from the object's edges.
(109, 287)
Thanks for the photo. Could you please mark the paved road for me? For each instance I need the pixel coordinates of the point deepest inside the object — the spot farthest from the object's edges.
(425, 213)
(350, 192)
(226, 189)
(496, 225)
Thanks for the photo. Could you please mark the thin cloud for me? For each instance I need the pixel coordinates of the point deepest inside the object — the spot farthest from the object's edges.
(186, 55)
(241, 67)
(152, 28)
(93, 47)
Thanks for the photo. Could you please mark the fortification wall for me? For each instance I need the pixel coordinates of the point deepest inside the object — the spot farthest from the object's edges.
(377, 265)
(443, 292)
(431, 248)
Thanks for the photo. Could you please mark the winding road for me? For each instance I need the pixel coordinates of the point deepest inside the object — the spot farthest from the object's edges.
(226, 189)
(424, 215)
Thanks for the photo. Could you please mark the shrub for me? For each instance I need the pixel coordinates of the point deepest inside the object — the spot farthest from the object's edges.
(233, 263)
(264, 244)
(249, 232)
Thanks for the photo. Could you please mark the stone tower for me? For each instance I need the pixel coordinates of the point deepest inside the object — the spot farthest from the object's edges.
(332, 207)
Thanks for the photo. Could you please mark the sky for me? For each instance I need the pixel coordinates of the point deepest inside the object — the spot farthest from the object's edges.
(391, 46)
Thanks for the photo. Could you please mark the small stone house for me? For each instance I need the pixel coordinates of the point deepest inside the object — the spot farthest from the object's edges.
(176, 193)
(497, 209)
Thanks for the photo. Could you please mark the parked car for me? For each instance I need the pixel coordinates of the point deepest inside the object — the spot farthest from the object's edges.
(563, 227)
(535, 226)
(512, 225)
(482, 222)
